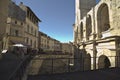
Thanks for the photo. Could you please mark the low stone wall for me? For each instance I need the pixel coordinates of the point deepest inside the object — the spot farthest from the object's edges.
(49, 64)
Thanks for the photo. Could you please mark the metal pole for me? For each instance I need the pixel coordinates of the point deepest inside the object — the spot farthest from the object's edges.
(52, 65)
(68, 64)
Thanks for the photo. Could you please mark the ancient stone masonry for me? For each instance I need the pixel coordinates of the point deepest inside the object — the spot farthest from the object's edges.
(99, 30)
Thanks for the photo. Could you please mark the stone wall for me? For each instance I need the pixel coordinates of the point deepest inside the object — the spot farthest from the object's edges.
(3, 15)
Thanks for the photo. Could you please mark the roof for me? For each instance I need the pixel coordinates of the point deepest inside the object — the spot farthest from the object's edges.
(33, 13)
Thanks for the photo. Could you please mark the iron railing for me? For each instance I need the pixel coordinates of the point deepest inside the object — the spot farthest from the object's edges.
(62, 65)
(56, 65)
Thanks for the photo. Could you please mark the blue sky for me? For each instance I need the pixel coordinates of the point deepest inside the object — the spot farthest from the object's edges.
(57, 17)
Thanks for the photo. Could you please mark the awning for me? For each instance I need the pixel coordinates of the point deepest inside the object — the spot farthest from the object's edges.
(4, 51)
(20, 43)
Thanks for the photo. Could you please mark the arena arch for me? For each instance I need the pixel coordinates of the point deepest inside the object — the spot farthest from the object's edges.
(87, 62)
(88, 27)
(103, 21)
(103, 62)
(81, 30)
(104, 54)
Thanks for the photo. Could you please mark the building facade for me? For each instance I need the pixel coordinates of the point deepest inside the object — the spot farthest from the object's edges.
(48, 44)
(12, 28)
(57, 46)
(67, 48)
(43, 41)
(97, 34)
(18, 25)
(3, 18)
(31, 27)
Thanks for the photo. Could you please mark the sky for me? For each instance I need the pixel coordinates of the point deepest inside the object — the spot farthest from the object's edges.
(57, 17)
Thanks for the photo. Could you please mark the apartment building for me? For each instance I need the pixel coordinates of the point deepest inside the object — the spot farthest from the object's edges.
(57, 45)
(48, 44)
(67, 48)
(12, 24)
(31, 26)
(43, 41)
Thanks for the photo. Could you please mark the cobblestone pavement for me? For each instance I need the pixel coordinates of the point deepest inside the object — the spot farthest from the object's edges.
(103, 74)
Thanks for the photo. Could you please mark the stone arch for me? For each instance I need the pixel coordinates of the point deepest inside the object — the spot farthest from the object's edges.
(103, 62)
(88, 27)
(109, 54)
(103, 21)
(81, 30)
(87, 62)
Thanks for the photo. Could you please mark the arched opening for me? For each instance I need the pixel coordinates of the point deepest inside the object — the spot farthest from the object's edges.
(81, 31)
(103, 19)
(87, 62)
(77, 35)
(103, 62)
(88, 27)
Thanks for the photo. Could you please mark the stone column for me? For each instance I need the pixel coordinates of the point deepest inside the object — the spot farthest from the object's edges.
(94, 55)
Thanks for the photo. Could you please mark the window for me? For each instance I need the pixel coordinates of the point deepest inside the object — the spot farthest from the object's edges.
(31, 30)
(16, 32)
(31, 42)
(27, 40)
(35, 32)
(15, 22)
(34, 44)
(27, 28)
(22, 23)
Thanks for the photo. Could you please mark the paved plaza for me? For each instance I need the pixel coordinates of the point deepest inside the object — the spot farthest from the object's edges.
(103, 74)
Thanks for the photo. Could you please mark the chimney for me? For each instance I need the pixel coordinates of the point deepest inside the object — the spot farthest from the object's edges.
(21, 2)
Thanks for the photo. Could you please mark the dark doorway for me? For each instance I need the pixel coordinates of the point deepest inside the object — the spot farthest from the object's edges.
(87, 62)
(103, 62)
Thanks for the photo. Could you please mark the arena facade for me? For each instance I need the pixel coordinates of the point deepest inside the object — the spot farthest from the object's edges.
(97, 33)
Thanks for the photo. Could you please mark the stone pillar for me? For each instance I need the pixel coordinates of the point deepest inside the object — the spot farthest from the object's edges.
(94, 55)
